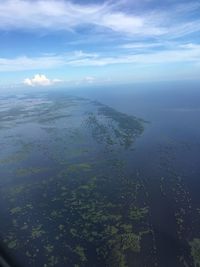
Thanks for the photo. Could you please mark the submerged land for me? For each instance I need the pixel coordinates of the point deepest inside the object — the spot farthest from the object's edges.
(70, 195)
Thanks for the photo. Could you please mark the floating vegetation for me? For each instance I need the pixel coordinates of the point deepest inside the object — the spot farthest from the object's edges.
(81, 205)
(131, 241)
(15, 190)
(80, 252)
(195, 251)
(12, 244)
(49, 248)
(30, 171)
(11, 241)
(119, 128)
(53, 118)
(176, 194)
(126, 123)
(37, 231)
(15, 210)
(52, 261)
(138, 213)
(79, 167)
(17, 156)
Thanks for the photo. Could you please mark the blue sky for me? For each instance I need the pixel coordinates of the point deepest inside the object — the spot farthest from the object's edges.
(50, 42)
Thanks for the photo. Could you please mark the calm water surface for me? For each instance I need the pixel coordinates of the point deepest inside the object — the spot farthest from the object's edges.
(163, 162)
(169, 148)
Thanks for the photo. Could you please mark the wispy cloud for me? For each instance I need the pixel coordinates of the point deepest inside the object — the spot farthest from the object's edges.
(28, 63)
(187, 52)
(65, 15)
(138, 45)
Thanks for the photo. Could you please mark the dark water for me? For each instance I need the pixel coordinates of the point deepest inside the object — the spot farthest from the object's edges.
(168, 149)
(79, 193)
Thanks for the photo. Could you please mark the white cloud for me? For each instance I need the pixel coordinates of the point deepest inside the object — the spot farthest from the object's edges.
(40, 80)
(137, 45)
(65, 15)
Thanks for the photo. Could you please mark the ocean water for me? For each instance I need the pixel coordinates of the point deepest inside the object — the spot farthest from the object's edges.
(64, 145)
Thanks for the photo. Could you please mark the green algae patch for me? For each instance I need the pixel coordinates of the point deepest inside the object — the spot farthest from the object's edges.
(131, 241)
(138, 213)
(12, 244)
(80, 252)
(52, 261)
(79, 167)
(16, 210)
(17, 190)
(195, 251)
(30, 171)
(116, 128)
(19, 155)
(49, 248)
(37, 232)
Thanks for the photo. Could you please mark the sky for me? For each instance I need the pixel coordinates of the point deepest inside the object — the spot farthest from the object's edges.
(51, 42)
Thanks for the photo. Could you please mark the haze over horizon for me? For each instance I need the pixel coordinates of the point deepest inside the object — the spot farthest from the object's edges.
(45, 43)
